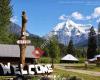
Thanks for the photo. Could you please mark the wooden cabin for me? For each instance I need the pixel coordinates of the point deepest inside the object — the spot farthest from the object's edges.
(11, 53)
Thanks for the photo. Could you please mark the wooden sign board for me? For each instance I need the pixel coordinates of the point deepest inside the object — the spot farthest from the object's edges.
(10, 70)
(25, 34)
(23, 42)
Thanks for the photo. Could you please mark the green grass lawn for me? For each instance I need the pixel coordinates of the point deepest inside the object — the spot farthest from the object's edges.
(68, 73)
(91, 67)
(6, 77)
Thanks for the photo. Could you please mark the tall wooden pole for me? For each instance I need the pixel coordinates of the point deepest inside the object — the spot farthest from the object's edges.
(23, 37)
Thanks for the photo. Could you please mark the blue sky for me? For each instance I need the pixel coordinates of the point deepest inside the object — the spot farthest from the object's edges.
(43, 15)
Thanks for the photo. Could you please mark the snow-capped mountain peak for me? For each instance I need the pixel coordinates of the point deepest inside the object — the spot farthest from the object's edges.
(70, 25)
(70, 30)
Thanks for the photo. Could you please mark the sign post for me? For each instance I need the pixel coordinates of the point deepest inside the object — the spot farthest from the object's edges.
(23, 37)
(22, 41)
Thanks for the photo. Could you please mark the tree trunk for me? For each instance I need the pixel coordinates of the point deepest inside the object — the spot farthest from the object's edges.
(52, 63)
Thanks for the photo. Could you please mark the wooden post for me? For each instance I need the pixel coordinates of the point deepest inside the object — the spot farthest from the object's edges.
(23, 37)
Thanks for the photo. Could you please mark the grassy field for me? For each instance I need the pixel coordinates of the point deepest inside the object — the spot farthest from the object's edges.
(81, 66)
(6, 77)
(82, 76)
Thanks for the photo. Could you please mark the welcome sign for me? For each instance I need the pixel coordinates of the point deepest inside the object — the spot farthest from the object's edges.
(32, 69)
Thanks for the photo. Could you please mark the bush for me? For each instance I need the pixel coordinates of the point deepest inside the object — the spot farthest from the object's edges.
(57, 60)
(81, 60)
(44, 60)
(48, 60)
(45, 78)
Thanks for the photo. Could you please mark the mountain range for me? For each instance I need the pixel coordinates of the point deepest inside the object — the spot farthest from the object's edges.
(68, 29)
(16, 29)
(64, 31)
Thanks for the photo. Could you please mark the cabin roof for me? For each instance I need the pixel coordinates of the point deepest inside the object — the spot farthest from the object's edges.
(14, 51)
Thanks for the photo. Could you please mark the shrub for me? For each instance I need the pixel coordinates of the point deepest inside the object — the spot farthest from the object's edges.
(48, 60)
(45, 78)
(81, 60)
(44, 60)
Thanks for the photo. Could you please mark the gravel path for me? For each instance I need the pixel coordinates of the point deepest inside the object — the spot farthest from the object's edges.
(92, 73)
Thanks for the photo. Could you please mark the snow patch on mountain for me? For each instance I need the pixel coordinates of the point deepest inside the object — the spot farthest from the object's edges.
(70, 30)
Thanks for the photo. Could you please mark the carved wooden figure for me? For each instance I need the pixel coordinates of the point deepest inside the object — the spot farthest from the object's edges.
(23, 37)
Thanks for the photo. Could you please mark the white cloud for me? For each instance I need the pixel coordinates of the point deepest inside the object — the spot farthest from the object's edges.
(63, 17)
(96, 12)
(88, 17)
(98, 20)
(77, 16)
(14, 19)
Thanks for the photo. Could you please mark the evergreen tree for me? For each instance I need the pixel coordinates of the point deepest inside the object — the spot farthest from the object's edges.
(84, 53)
(63, 49)
(5, 15)
(99, 37)
(70, 48)
(78, 53)
(92, 44)
(54, 50)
